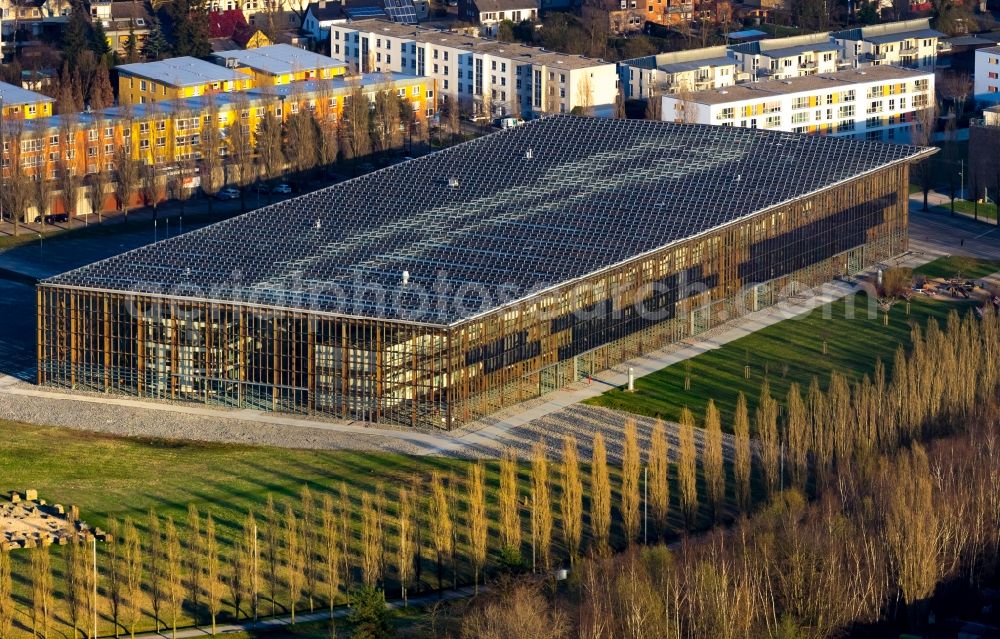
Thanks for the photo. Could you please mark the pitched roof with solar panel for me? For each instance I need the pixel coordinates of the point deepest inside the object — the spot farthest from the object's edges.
(485, 223)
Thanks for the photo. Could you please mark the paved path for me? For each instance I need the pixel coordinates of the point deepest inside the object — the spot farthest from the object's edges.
(341, 612)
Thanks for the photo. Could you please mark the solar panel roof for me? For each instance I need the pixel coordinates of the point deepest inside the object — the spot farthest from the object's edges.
(491, 221)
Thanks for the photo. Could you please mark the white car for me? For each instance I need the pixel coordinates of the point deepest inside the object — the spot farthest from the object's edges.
(228, 193)
(283, 189)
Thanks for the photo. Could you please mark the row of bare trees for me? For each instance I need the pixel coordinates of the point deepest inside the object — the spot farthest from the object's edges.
(891, 526)
(306, 138)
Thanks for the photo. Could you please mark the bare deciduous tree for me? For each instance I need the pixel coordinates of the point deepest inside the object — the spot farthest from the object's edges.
(741, 453)
(600, 496)
(541, 508)
(631, 471)
(571, 506)
(712, 461)
(477, 519)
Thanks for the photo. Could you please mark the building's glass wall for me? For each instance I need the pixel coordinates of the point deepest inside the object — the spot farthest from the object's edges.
(382, 371)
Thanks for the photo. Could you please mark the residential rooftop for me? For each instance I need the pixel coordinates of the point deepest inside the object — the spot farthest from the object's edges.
(803, 84)
(890, 32)
(13, 95)
(200, 104)
(455, 40)
(184, 71)
(278, 59)
(680, 61)
(787, 47)
(486, 223)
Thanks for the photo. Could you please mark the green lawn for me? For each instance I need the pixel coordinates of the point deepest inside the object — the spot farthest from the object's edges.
(790, 351)
(124, 477)
(958, 266)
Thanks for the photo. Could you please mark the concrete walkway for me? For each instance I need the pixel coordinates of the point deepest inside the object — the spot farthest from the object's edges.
(276, 623)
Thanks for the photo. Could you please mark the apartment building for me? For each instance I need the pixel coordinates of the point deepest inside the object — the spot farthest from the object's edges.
(21, 104)
(986, 82)
(784, 58)
(176, 78)
(984, 161)
(483, 76)
(692, 70)
(280, 64)
(167, 132)
(122, 20)
(909, 43)
(875, 103)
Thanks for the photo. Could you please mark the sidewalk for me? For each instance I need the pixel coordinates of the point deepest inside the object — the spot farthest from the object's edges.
(340, 612)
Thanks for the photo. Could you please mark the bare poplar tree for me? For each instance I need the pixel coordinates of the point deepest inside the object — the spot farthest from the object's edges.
(309, 542)
(126, 177)
(821, 437)
(371, 545)
(97, 191)
(329, 550)
(407, 539)
(659, 476)
(7, 610)
(386, 120)
(357, 125)
(712, 460)
(133, 577)
(156, 566)
(687, 468)
(477, 520)
(766, 421)
(213, 572)
(76, 585)
(193, 557)
(239, 141)
(600, 496)
(116, 573)
(441, 525)
(571, 500)
(510, 514)
(271, 541)
(210, 149)
(346, 533)
(41, 591)
(797, 436)
(174, 574)
(742, 458)
(541, 508)
(294, 561)
(630, 490)
(269, 153)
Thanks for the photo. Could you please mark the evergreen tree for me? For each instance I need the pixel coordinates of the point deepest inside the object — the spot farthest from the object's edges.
(156, 46)
(76, 37)
(189, 27)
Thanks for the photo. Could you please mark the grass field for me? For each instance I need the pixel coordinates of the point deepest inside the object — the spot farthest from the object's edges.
(958, 266)
(112, 477)
(790, 351)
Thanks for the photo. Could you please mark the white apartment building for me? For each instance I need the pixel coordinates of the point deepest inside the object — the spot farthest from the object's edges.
(986, 83)
(910, 43)
(692, 70)
(876, 103)
(481, 75)
(784, 58)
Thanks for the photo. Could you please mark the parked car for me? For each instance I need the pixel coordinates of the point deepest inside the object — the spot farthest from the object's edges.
(507, 122)
(282, 189)
(53, 218)
(228, 193)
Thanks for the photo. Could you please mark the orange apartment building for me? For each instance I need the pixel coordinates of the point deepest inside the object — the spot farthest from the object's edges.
(168, 132)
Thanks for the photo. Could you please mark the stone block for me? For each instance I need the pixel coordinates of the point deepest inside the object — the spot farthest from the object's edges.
(15, 497)
(31, 494)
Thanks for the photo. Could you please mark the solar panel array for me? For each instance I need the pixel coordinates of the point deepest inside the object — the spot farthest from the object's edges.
(401, 11)
(492, 220)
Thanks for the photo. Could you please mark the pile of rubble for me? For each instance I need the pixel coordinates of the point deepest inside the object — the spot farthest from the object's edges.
(28, 522)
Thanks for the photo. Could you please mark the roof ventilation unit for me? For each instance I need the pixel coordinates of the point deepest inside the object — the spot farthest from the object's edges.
(453, 182)
(406, 278)
(529, 154)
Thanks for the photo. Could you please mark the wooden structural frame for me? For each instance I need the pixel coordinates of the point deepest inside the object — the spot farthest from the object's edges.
(442, 376)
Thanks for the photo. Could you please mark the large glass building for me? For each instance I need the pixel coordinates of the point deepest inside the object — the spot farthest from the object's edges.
(437, 291)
